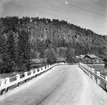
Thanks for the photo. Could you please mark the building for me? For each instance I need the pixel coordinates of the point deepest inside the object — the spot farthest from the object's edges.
(38, 62)
(91, 58)
(61, 59)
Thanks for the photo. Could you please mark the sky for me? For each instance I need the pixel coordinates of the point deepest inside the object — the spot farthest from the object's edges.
(90, 14)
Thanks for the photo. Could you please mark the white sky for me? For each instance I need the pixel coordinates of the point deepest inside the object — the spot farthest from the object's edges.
(91, 14)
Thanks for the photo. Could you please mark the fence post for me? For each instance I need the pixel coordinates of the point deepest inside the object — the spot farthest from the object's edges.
(98, 73)
(89, 69)
(2, 82)
(98, 80)
(106, 84)
(35, 70)
(18, 77)
(7, 80)
(93, 77)
(31, 72)
(25, 73)
(93, 70)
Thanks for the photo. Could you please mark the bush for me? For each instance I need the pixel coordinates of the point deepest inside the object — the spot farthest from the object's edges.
(70, 55)
(51, 55)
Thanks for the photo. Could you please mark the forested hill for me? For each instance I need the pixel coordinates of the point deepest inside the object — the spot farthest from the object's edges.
(57, 33)
(25, 38)
(63, 34)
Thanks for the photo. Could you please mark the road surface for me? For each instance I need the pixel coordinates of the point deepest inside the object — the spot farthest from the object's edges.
(63, 85)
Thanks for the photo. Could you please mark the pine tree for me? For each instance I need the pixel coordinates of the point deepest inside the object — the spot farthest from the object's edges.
(24, 51)
(9, 53)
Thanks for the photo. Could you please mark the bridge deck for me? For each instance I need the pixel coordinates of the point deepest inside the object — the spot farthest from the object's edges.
(63, 85)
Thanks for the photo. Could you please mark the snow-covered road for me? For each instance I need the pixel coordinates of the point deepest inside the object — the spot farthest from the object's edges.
(63, 85)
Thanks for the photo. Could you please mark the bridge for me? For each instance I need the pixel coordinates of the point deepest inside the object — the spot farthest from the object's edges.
(58, 84)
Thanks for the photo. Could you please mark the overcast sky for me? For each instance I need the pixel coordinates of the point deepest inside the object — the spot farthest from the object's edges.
(91, 14)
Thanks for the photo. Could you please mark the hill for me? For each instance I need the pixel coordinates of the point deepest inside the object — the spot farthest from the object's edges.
(22, 39)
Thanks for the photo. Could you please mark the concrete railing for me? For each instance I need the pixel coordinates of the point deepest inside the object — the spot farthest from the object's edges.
(10, 83)
(95, 76)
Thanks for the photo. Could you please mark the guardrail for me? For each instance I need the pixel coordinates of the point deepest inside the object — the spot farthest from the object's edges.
(7, 84)
(95, 76)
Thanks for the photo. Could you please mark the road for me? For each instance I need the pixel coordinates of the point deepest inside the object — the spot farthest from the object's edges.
(63, 85)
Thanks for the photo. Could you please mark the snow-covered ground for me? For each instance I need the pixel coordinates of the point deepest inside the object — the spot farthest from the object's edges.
(63, 85)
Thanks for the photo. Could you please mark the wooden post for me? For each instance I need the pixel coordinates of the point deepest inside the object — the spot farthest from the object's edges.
(7, 80)
(98, 80)
(25, 73)
(89, 74)
(98, 73)
(89, 69)
(93, 77)
(93, 70)
(2, 82)
(18, 76)
(106, 84)
(35, 70)
(31, 72)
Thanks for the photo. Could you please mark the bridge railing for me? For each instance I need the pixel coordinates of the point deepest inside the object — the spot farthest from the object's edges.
(9, 83)
(96, 76)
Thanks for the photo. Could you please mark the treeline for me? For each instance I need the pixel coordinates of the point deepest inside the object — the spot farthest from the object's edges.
(14, 52)
(23, 39)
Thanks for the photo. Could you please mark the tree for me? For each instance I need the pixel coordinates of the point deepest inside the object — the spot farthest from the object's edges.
(41, 34)
(51, 55)
(62, 51)
(11, 46)
(24, 51)
(70, 55)
(8, 55)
